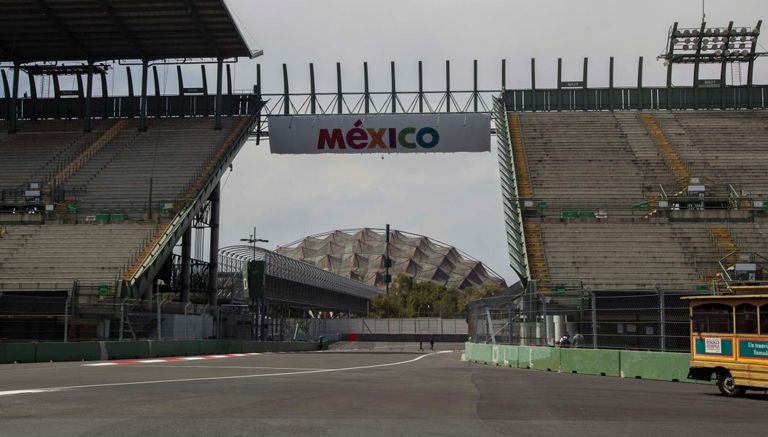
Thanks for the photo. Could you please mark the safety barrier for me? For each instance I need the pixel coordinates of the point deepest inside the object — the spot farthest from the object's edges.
(116, 350)
(662, 366)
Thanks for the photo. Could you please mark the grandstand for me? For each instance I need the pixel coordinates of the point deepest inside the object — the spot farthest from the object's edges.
(608, 200)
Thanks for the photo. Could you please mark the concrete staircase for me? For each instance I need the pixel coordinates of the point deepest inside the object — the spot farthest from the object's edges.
(537, 260)
(671, 157)
(524, 186)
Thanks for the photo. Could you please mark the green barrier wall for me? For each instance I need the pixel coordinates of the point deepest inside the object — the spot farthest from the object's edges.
(663, 366)
(117, 350)
(591, 362)
(17, 353)
(88, 351)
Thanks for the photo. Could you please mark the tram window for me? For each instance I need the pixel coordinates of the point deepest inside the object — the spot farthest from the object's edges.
(713, 317)
(764, 319)
(746, 319)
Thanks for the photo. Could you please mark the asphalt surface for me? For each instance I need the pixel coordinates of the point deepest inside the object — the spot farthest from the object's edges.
(355, 393)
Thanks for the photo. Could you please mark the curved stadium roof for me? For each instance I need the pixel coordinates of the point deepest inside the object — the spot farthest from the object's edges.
(359, 254)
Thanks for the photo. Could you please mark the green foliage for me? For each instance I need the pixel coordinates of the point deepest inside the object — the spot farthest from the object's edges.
(410, 298)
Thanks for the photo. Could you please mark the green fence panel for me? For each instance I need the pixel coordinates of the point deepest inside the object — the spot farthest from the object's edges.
(524, 357)
(507, 356)
(164, 349)
(482, 353)
(545, 358)
(126, 349)
(590, 361)
(664, 366)
(88, 351)
(211, 347)
(17, 353)
(191, 347)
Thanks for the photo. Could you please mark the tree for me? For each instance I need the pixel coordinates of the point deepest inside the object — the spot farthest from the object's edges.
(410, 298)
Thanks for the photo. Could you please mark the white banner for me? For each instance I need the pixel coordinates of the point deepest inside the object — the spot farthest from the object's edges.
(395, 133)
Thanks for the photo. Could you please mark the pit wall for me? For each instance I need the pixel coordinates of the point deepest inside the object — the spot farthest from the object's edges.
(661, 366)
(117, 350)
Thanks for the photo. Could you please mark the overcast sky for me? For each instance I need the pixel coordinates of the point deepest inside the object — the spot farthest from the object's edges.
(453, 198)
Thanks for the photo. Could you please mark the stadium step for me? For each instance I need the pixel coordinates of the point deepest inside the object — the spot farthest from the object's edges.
(521, 161)
(671, 157)
(81, 159)
(537, 260)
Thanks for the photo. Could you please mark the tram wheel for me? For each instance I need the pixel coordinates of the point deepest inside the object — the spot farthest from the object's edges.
(727, 386)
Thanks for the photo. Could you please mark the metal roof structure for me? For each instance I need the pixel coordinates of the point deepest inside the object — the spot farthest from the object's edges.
(359, 254)
(232, 259)
(75, 30)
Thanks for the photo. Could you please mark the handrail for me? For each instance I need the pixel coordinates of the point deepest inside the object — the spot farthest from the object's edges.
(170, 228)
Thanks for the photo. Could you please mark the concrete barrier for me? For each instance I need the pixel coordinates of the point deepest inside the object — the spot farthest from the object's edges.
(17, 353)
(84, 351)
(159, 348)
(590, 361)
(662, 366)
(116, 350)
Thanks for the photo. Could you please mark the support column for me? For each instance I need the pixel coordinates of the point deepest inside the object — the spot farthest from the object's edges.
(88, 98)
(219, 79)
(586, 76)
(159, 101)
(610, 85)
(205, 92)
(723, 69)
(143, 100)
(104, 94)
(286, 92)
(339, 93)
(229, 91)
(640, 84)
(421, 89)
(533, 84)
(448, 86)
(559, 84)
(696, 67)
(213, 266)
(366, 91)
(312, 93)
(751, 64)
(33, 95)
(394, 86)
(131, 112)
(670, 56)
(186, 267)
(14, 98)
(57, 94)
(182, 100)
(6, 95)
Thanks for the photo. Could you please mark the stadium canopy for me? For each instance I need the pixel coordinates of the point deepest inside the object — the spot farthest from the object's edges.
(97, 30)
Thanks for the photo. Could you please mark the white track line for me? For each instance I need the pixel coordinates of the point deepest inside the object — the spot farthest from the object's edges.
(213, 378)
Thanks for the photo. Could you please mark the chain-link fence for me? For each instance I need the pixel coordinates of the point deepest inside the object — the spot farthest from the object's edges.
(641, 320)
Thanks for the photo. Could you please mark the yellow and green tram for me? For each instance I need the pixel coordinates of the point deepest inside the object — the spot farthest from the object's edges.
(729, 340)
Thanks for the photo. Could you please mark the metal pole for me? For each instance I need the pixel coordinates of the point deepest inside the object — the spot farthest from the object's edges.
(696, 66)
(312, 93)
(594, 319)
(122, 320)
(448, 86)
(219, 80)
(503, 74)
(186, 323)
(421, 90)
(159, 321)
(66, 319)
(533, 84)
(143, 100)
(474, 89)
(386, 260)
(670, 54)
(610, 85)
(559, 84)
(662, 321)
(367, 94)
(490, 325)
(394, 87)
(15, 98)
(640, 84)
(286, 94)
(585, 79)
(339, 93)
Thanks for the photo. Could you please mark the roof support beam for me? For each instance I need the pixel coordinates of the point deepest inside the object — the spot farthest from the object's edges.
(203, 29)
(14, 98)
(62, 28)
(219, 79)
(118, 22)
(143, 100)
(88, 98)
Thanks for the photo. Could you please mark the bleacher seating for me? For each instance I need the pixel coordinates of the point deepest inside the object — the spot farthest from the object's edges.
(103, 239)
(590, 169)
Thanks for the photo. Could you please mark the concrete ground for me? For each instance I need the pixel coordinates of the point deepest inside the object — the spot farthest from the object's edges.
(355, 393)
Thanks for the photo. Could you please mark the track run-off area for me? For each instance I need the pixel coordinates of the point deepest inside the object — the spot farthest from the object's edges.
(354, 393)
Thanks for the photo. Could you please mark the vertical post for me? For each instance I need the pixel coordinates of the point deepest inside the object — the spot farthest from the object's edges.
(312, 93)
(421, 89)
(182, 102)
(6, 94)
(80, 96)
(213, 266)
(186, 264)
(670, 55)
(503, 74)
(143, 99)
(594, 319)
(489, 321)
(662, 321)
(186, 323)
(205, 90)
(122, 321)
(33, 95)
(751, 64)
(104, 94)
(640, 84)
(159, 320)
(219, 80)
(131, 114)
(448, 86)
(339, 93)
(159, 101)
(610, 85)
(229, 91)
(723, 94)
(533, 84)
(475, 94)
(66, 318)
(286, 93)
(394, 86)
(559, 84)
(366, 92)
(14, 98)
(696, 66)
(57, 94)
(88, 98)
(386, 260)
(585, 79)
